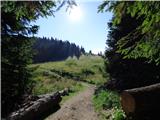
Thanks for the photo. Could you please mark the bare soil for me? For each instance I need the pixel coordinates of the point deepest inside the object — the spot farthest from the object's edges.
(79, 107)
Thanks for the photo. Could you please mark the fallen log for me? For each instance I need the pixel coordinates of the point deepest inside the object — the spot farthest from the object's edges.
(142, 103)
(38, 109)
(65, 92)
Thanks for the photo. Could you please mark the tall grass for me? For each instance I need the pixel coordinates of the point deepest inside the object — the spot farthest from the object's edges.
(53, 76)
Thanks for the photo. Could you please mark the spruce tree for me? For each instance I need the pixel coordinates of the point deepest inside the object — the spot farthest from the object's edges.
(127, 71)
(16, 17)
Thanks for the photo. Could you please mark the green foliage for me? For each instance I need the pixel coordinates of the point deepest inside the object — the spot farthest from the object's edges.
(18, 22)
(16, 48)
(147, 32)
(106, 100)
(16, 55)
(72, 69)
(107, 103)
(52, 85)
(71, 62)
(133, 40)
(130, 50)
(118, 114)
(87, 72)
(53, 76)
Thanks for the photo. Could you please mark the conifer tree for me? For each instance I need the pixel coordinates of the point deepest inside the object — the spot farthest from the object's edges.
(129, 66)
(16, 47)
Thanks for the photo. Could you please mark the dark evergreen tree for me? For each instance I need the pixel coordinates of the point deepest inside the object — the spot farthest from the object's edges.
(55, 50)
(100, 53)
(128, 72)
(82, 50)
(90, 52)
(16, 47)
(148, 31)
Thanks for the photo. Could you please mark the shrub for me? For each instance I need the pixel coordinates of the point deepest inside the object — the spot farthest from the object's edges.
(108, 100)
(118, 114)
(87, 72)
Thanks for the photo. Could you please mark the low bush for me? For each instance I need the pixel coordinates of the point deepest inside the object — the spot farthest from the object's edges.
(118, 114)
(108, 100)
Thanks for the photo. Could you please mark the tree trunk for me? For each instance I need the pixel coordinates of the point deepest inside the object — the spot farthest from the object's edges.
(142, 103)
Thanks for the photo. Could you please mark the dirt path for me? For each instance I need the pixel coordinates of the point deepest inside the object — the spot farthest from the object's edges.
(78, 107)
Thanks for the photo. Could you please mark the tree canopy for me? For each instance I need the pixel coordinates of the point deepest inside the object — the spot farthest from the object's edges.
(128, 65)
(17, 15)
(148, 45)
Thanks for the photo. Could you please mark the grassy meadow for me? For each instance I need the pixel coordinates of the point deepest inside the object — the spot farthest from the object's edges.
(53, 76)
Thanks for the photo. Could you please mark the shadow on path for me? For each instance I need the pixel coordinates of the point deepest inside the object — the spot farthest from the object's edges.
(47, 113)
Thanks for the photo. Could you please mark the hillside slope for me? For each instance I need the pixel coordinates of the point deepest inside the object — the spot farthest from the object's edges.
(53, 76)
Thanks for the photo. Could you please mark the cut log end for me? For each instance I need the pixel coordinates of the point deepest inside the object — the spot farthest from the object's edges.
(128, 102)
(142, 103)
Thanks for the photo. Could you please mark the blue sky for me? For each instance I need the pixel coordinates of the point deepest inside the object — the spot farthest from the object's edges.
(89, 31)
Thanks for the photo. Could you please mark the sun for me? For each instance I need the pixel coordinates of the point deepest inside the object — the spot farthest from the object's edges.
(75, 13)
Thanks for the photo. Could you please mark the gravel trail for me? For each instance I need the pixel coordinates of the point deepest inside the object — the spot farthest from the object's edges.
(79, 107)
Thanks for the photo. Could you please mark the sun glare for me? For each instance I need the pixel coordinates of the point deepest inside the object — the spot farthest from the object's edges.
(75, 13)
